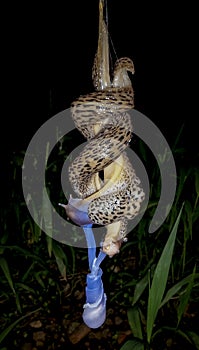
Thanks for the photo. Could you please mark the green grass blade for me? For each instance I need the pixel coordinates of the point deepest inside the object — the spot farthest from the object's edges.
(184, 335)
(11, 326)
(47, 212)
(197, 181)
(140, 287)
(189, 220)
(27, 273)
(25, 287)
(186, 296)
(195, 339)
(37, 228)
(48, 221)
(61, 259)
(196, 188)
(160, 279)
(49, 245)
(4, 237)
(39, 280)
(189, 336)
(25, 253)
(132, 345)
(135, 322)
(182, 178)
(18, 304)
(176, 288)
(6, 271)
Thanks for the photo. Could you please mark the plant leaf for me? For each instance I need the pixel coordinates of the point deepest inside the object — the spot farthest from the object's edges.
(189, 222)
(60, 259)
(11, 326)
(25, 253)
(46, 211)
(132, 345)
(195, 339)
(140, 287)
(135, 322)
(176, 288)
(6, 271)
(25, 287)
(184, 335)
(197, 181)
(160, 279)
(48, 221)
(39, 280)
(185, 297)
(17, 300)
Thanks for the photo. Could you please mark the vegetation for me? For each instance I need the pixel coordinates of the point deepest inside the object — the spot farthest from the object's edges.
(152, 285)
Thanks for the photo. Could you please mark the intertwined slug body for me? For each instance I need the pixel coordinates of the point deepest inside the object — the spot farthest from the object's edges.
(103, 118)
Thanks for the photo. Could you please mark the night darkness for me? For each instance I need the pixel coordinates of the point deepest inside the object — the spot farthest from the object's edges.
(48, 55)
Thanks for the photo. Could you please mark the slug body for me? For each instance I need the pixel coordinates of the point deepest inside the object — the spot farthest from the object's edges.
(102, 117)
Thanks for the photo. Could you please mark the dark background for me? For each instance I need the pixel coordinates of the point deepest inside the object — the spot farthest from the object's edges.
(46, 60)
(47, 56)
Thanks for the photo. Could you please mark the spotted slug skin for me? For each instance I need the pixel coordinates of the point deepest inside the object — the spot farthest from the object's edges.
(102, 117)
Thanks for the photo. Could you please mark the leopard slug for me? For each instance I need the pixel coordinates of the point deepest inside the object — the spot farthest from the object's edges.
(102, 117)
(107, 188)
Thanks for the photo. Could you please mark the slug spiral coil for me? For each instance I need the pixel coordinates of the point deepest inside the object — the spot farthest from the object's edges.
(107, 188)
(102, 117)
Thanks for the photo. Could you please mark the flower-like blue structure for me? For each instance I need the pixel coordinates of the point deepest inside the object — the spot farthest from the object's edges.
(94, 313)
